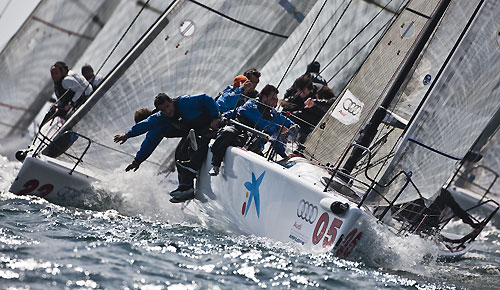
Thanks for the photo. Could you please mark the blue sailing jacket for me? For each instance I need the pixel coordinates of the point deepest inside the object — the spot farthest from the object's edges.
(270, 124)
(229, 98)
(266, 119)
(196, 111)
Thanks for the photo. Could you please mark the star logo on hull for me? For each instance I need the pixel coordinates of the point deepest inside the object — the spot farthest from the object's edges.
(253, 194)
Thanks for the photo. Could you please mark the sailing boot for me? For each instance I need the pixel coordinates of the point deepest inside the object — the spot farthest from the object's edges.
(183, 193)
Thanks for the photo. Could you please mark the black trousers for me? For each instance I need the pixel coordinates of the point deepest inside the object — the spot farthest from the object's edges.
(194, 159)
(227, 136)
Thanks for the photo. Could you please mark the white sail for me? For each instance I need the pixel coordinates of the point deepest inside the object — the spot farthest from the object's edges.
(55, 30)
(460, 104)
(417, 84)
(348, 26)
(120, 24)
(370, 83)
(203, 47)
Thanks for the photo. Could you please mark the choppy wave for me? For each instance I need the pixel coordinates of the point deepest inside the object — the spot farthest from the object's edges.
(132, 237)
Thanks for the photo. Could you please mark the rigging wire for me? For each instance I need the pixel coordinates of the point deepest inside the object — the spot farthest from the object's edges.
(300, 46)
(352, 39)
(5, 8)
(359, 51)
(237, 21)
(333, 29)
(123, 36)
(387, 25)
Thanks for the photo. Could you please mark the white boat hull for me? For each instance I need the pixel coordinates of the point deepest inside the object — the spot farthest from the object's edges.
(49, 178)
(286, 204)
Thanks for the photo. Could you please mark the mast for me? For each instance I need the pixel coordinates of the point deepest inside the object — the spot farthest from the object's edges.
(371, 128)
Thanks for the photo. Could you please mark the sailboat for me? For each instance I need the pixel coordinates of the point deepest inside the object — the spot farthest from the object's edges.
(184, 51)
(54, 30)
(476, 180)
(297, 200)
(293, 202)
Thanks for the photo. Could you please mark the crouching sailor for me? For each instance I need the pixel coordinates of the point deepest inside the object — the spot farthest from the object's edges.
(185, 117)
(71, 91)
(257, 113)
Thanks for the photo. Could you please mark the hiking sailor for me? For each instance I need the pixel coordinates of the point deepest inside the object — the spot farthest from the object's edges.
(235, 95)
(188, 117)
(70, 89)
(252, 75)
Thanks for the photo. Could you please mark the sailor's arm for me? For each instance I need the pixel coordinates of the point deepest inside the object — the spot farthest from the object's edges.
(153, 138)
(156, 120)
(250, 111)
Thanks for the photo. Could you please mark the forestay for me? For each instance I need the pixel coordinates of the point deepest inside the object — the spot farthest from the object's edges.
(459, 106)
(203, 47)
(331, 138)
(55, 30)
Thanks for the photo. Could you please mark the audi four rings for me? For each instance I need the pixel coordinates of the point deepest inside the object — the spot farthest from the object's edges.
(307, 211)
(350, 106)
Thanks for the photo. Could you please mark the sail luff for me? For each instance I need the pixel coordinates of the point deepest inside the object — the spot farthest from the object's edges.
(121, 67)
(369, 86)
(372, 127)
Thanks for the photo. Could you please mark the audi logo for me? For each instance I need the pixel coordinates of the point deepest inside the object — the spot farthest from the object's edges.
(350, 106)
(307, 211)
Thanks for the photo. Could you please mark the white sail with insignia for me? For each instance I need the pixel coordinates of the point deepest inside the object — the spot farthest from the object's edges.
(370, 83)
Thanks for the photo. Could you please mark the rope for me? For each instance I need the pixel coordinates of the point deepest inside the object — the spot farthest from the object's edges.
(5, 8)
(300, 46)
(434, 150)
(333, 29)
(122, 152)
(237, 21)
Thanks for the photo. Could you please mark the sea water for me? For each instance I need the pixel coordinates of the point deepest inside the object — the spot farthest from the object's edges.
(131, 237)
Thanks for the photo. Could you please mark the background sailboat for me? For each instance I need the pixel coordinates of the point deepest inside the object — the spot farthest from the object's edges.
(55, 30)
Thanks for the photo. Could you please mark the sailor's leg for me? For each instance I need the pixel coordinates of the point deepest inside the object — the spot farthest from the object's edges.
(226, 138)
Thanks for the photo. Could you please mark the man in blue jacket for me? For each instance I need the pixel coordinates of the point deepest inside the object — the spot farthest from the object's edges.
(257, 113)
(176, 118)
(235, 95)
